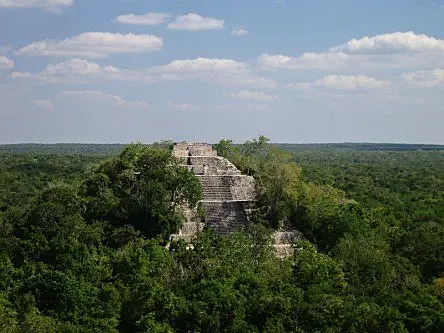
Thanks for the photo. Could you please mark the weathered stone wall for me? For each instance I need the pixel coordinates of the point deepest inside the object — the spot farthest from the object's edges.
(191, 226)
(185, 149)
(243, 188)
(224, 216)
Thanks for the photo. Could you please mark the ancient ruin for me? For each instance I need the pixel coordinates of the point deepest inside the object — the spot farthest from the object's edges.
(228, 195)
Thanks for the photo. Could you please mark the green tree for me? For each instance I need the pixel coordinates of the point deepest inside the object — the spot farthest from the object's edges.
(279, 181)
(422, 243)
(143, 187)
(224, 148)
(8, 318)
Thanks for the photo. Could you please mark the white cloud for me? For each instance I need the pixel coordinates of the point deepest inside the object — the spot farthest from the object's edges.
(93, 45)
(320, 61)
(92, 96)
(343, 82)
(239, 32)
(44, 104)
(144, 19)
(391, 43)
(194, 22)
(425, 79)
(274, 60)
(78, 70)
(388, 51)
(50, 5)
(223, 71)
(181, 106)
(202, 65)
(253, 95)
(72, 66)
(6, 63)
(248, 79)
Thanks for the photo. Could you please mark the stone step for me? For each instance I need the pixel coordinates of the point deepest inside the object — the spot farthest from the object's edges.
(217, 197)
(215, 187)
(224, 217)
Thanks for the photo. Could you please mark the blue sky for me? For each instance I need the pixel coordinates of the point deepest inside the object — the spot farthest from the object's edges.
(202, 70)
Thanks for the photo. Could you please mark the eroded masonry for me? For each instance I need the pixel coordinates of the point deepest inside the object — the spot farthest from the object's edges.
(228, 195)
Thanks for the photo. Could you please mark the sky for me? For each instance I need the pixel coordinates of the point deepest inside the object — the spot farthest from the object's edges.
(300, 71)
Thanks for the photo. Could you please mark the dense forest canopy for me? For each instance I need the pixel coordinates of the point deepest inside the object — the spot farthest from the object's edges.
(83, 241)
(95, 149)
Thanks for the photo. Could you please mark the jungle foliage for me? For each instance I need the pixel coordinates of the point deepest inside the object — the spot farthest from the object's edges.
(83, 243)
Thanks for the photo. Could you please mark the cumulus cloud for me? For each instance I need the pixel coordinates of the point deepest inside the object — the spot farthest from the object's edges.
(72, 66)
(388, 51)
(202, 64)
(50, 5)
(274, 60)
(44, 104)
(320, 61)
(391, 43)
(6, 63)
(194, 22)
(223, 71)
(92, 96)
(342, 82)
(75, 70)
(425, 79)
(93, 45)
(239, 32)
(253, 95)
(144, 19)
(248, 80)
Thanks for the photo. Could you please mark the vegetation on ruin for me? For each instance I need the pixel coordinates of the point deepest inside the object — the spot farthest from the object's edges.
(82, 241)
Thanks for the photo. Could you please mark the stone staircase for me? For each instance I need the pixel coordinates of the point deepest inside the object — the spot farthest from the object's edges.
(227, 193)
(228, 196)
(216, 188)
(224, 216)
